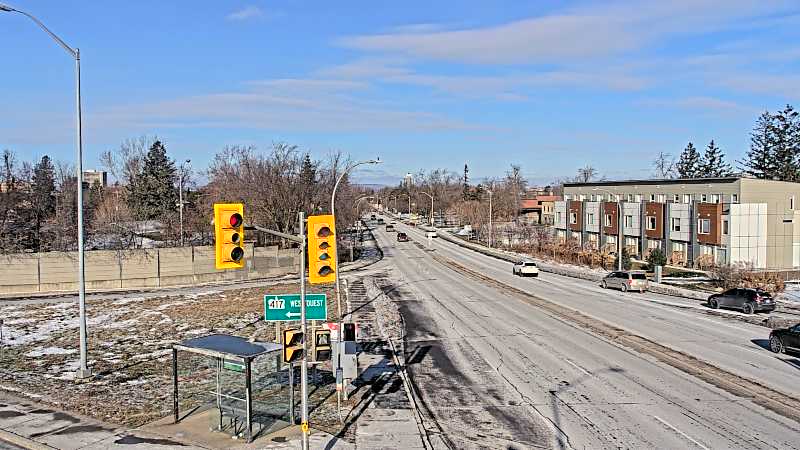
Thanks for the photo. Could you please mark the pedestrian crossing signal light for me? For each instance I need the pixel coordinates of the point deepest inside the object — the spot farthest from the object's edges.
(322, 345)
(229, 235)
(292, 345)
(321, 249)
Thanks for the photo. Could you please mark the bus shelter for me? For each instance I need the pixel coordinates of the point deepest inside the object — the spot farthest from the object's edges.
(244, 380)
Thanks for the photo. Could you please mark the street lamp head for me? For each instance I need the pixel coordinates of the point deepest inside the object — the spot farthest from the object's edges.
(6, 8)
(375, 161)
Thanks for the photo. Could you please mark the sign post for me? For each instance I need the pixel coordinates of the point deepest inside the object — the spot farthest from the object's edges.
(304, 327)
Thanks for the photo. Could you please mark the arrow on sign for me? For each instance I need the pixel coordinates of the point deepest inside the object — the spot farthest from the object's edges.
(291, 314)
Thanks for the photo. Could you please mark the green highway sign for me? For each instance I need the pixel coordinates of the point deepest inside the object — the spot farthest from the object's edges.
(232, 365)
(287, 307)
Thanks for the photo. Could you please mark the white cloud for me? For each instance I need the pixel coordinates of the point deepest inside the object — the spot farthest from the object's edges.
(572, 35)
(246, 13)
(703, 104)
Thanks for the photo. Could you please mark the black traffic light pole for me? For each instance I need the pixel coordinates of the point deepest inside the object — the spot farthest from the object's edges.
(301, 239)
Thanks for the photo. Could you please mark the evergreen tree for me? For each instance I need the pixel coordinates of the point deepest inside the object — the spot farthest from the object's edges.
(688, 165)
(786, 130)
(713, 163)
(151, 192)
(43, 202)
(760, 161)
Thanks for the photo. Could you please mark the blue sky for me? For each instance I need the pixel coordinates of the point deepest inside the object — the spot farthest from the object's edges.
(549, 85)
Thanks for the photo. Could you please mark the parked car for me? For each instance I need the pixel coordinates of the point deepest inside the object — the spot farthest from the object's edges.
(784, 339)
(745, 299)
(402, 237)
(525, 268)
(630, 280)
(389, 228)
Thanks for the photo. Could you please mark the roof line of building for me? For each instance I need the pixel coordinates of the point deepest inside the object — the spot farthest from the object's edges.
(657, 181)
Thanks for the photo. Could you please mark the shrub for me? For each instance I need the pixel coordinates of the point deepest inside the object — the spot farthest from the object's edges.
(626, 260)
(656, 258)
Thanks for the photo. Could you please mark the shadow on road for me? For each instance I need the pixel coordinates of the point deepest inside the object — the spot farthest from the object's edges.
(763, 343)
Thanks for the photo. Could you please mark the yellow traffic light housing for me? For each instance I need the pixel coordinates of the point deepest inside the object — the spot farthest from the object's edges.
(321, 249)
(322, 345)
(229, 235)
(292, 345)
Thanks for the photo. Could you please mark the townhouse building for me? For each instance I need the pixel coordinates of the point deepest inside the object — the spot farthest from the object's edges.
(693, 221)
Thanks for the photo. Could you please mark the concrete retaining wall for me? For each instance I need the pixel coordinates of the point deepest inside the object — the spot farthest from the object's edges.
(130, 269)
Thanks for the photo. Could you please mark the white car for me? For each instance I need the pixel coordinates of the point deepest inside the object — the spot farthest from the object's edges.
(525, 268)
(431, 234)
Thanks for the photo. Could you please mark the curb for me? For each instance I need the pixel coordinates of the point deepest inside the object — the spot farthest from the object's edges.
(21, 441)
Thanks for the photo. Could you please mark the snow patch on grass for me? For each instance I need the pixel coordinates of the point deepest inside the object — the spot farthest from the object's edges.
(50, 351)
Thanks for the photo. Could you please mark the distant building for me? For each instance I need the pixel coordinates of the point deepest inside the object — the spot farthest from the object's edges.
(695, 222)
(91, 177)
(539, 209)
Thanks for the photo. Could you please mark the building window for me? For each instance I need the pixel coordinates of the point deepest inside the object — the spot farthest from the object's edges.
(704, 198)
(706, 250)
(661, 198)
(704, 226)
(651, 222)
(611, 240)
(558, 217)
(573, 218)
(735, 198)
(791, 202)
(630, 197)
(608, 220)
(638, 198)
(590, 218)
(652, 197)
(593, 197)
(678, 247)
(676, 224)
(687, 198)
(652, 243)
(628, 221)
(677, 198)
(567, 197)
(724, 227)
(714, 198)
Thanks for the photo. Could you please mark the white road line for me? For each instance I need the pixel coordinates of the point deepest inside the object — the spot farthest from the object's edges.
(578, 367)
(680, 432)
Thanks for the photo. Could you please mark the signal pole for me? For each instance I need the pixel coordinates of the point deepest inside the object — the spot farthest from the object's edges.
(304, 329)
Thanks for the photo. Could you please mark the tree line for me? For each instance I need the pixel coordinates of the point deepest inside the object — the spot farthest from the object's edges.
(38, 200)
(774, 153)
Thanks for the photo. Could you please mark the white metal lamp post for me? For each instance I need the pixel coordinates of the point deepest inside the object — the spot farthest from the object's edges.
(619, 226)
(490, 217)
(180, 193)
(83, 371)
(429, 195)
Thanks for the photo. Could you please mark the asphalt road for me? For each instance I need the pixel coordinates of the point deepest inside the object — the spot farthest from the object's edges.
(492, 371)
(736, 346)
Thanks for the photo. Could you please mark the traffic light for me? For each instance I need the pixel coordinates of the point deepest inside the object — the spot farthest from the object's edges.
(321, 249)
(292, 345)
(322, 345)
(229, 235)
(348, 332)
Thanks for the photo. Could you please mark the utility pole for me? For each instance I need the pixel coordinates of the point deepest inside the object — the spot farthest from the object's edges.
(180, 195)
(304, 328)
(490, 217)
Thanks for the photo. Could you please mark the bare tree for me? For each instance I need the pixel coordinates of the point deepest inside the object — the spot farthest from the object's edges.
(664, 166)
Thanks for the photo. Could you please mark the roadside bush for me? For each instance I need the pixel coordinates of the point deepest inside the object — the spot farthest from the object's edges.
(727, 276)
(626, 260)
(656, 258)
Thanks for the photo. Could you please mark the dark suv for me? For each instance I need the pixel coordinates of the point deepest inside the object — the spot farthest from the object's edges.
(402, 237)
(745, 299)
(785, 339)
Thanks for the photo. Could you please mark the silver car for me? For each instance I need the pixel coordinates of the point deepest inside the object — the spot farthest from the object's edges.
(631, 280)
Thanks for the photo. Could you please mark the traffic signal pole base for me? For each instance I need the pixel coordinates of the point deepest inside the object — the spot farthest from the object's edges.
(82, 374)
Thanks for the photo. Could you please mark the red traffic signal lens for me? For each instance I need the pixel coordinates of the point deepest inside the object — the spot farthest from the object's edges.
(236, 220)
(324, 232)
(236, 254)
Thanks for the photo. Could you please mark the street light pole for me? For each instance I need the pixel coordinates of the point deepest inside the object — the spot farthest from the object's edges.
(429, 195)
(490, 217)
(180, 194)
(83, 371)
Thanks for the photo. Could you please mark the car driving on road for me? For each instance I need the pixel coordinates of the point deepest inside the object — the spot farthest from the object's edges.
(746, 300)
(431, 234)
(402, 237)
(525, 268)
(631, 280)
(389, 228)
(784, 339)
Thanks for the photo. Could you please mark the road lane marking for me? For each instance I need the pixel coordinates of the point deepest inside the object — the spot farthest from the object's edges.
(578, 367)
(680, 432)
